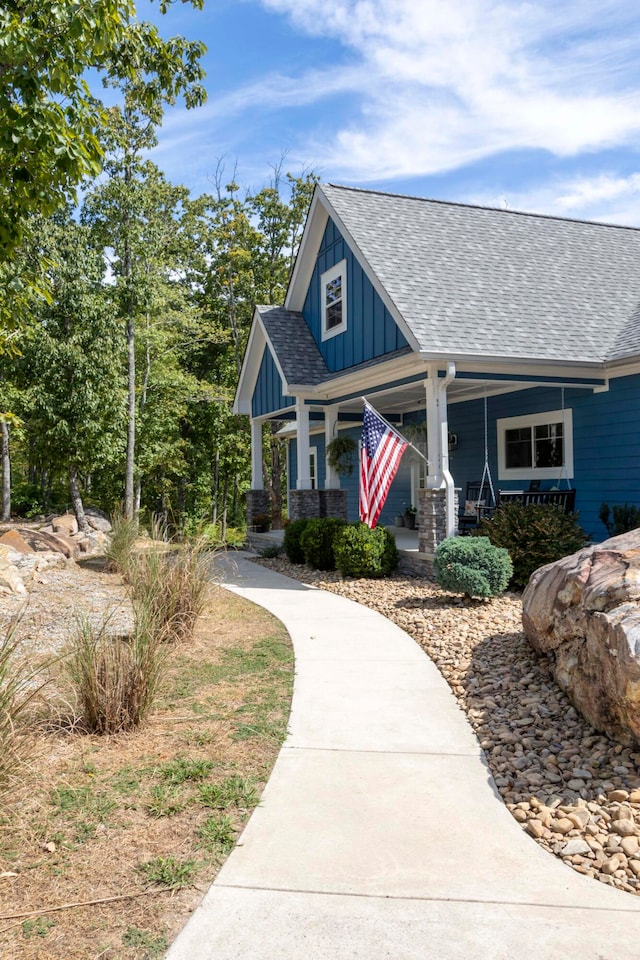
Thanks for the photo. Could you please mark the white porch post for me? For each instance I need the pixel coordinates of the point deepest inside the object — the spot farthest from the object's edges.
(302, 429)
(257, 482)
(332, 479)
(438, 440)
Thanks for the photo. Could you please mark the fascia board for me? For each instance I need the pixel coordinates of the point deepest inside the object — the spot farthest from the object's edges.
(373, 376)
(626, 367)
(528, 363)
(307, 253)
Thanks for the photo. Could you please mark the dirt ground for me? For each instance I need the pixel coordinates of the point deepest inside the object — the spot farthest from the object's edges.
(108, 843)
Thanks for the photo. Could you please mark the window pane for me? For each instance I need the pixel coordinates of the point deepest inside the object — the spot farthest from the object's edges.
(334, 315)
(333, 291)
(518, 448)
(549, 445)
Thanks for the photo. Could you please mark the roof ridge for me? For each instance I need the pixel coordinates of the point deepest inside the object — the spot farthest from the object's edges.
(478, 206)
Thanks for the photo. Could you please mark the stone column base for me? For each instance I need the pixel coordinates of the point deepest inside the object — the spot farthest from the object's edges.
(258, 505)
(310, 504)
(432, 519)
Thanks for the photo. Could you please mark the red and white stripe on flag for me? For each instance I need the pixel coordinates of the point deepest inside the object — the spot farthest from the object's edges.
(381, 450)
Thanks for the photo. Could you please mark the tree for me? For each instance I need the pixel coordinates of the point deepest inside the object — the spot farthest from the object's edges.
(51, 126)
(73, 359)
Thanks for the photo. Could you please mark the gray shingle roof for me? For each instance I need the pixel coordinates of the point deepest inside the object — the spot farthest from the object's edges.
(480, 281)
(298, 354)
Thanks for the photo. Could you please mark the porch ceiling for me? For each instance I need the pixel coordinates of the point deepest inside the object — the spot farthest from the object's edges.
(412, 396)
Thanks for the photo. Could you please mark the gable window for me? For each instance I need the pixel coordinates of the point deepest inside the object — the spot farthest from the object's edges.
(536, 447)
(333, 299)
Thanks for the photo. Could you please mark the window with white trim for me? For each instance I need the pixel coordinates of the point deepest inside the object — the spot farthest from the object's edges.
(333, 300)
(313, 468)
(536, 447)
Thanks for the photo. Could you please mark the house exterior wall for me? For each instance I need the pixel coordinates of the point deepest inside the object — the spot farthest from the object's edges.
(267, 393)
(606, 443)
(371, 330)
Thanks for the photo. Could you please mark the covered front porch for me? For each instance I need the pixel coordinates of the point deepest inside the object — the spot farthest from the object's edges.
(453, 412)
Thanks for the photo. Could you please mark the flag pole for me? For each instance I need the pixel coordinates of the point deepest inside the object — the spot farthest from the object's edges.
(395, 430)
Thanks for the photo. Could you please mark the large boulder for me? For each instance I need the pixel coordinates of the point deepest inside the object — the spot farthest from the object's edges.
(583, 613)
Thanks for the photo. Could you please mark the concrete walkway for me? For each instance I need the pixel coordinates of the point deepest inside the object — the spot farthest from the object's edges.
(380, 833)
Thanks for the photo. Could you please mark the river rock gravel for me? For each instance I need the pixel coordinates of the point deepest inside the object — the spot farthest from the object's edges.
(573, 790)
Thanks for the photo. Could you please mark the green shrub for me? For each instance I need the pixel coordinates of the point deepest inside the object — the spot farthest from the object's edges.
(317, 542)
(362, 552)
(291, 541)
(625, 517)
(473, 566)
(534, 535)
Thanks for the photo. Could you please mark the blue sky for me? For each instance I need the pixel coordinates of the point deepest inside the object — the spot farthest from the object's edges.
(531, 105)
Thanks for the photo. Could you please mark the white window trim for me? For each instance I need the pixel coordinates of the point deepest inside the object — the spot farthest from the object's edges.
(313, 474)
(535, 420)
(338, 270)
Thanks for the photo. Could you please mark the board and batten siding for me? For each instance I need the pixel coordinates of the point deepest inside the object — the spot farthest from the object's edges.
(371, 330)
(606, 443)
(267, 394)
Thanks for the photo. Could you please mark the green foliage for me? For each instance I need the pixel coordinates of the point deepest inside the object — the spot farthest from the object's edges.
(340, 454)
(38, 927)
(534, 535)
(625, 517)
(362, 552)
(169, 872)
(183, 768)
(291, 541)
(153, 947)
(272, 552)
(233, 791)
(217, 833)
(317, 542)
(166, 801)
(473, 566)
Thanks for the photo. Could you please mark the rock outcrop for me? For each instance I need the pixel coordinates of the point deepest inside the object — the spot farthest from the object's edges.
(583, 613)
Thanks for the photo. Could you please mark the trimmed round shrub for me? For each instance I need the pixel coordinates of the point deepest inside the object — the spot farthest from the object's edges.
(473, 566)
(534, 534)
(317, 542)
(291, 541)
(362, 552)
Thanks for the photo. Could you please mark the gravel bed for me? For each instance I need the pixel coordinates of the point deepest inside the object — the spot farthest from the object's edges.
(572, 789)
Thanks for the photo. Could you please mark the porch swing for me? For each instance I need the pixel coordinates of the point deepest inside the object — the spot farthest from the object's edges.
(474, 505)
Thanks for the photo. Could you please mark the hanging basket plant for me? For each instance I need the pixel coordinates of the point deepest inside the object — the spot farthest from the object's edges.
(340, 455)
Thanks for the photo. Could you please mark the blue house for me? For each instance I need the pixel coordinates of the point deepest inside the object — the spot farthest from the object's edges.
(491, 335)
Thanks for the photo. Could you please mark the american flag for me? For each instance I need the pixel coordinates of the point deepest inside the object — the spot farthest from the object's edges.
(381, 450)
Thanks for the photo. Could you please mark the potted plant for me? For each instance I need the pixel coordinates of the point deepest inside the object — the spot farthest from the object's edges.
(399, 520)
(261, 523)
(410, 517)
(340, 454)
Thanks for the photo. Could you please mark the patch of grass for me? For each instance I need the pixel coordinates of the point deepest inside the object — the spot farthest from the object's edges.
(82, 808)
(169, 872)
(37, 927)
(217, 833)
(233, 791)
(153, 947)
(119, 552)
(166, 801)
(198, 738)
(126, 781)
(183, 768)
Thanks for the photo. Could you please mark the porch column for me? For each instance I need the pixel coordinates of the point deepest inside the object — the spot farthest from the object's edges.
(257, 482)
(302, 429)
(332, 479)
(439, 477)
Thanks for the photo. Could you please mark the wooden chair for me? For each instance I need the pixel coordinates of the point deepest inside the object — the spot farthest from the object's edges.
(560, 498)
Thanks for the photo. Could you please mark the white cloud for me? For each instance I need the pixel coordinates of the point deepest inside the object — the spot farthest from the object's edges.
(605, 197)
(445, 82)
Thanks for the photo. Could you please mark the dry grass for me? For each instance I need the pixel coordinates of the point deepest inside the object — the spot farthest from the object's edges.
(150, 815)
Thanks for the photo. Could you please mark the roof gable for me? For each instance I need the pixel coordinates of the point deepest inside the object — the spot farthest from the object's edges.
(474, 281)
